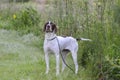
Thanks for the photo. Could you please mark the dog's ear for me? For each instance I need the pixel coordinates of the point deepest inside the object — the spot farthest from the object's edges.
(44, 27)
(54, 28)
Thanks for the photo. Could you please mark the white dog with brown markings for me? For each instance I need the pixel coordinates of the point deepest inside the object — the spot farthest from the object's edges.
(56, 44)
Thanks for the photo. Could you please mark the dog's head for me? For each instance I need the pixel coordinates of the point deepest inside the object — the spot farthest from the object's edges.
(50, 27)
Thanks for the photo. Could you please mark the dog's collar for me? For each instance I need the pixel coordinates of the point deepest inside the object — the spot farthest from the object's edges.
(52, 38)
(49, 31)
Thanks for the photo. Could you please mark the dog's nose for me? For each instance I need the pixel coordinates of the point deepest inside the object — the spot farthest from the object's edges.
(48, 26)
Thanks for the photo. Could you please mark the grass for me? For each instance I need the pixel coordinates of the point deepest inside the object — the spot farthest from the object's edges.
(21, 59)
(17, 54)
(21, 39)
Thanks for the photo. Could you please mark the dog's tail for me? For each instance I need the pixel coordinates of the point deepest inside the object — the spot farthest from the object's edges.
(83, 39)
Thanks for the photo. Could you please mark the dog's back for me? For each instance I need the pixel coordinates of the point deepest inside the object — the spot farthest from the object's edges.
(67, 42)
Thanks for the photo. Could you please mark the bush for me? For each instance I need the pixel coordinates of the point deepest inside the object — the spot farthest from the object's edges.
(111, 69)
(116, 14)
(26, 20)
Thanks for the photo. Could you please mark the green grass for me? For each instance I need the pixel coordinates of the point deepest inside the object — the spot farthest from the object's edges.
(21, 39)
(22, 59)
(18, 53)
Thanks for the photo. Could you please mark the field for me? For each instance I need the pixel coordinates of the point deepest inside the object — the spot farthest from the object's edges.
(21, 58)
(22, 36)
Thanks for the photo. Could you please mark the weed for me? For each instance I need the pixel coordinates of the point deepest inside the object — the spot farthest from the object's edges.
(98, 60)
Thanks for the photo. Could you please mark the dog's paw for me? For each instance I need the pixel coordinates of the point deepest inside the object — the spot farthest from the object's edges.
(46, 72)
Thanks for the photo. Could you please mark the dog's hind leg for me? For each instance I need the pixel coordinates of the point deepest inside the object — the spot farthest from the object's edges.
(74, 56)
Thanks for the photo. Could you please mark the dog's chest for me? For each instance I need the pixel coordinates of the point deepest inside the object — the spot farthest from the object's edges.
(50, 43)
(58, 42)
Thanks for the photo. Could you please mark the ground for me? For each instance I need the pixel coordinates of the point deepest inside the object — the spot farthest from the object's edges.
(22, 58)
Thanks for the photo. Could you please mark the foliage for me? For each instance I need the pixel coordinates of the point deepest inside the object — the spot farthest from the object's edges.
(100, 27)
(97, 20)
(26, 19)
(116, 14)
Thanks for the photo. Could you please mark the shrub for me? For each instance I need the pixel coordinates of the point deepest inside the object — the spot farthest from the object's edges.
(27, 19)
(116, 14)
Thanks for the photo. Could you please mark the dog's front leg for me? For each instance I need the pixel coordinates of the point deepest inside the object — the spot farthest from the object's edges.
(57, 64)
(47, 62)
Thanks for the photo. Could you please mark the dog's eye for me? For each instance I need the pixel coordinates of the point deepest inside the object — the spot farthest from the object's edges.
(51, 23)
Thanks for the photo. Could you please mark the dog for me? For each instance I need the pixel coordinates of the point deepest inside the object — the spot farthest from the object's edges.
(59, 45)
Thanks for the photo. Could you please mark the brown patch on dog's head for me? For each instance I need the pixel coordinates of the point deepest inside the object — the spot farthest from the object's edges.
(50, 27)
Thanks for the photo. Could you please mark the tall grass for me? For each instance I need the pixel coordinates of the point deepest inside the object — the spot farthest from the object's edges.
(78, 18)
(94, 19)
